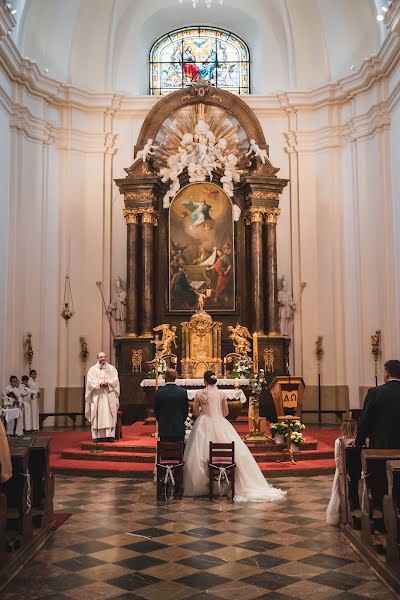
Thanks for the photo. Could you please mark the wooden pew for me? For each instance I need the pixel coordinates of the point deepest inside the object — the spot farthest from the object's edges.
(19, 496)
(349, 477)
(372, 489)
(42, 478)
(3, 522)
(391, 508)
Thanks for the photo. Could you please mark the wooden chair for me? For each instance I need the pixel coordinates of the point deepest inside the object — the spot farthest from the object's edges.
(169, 468)
(221, 464)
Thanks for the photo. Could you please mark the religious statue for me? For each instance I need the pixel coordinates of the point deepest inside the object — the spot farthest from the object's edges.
(257, 151)
(148, 150)
(240, 336)
(168, 339)
(287, 307)
(200, 153)
(118, 307)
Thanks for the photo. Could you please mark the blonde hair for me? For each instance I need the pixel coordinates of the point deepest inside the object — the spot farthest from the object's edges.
(348, 428)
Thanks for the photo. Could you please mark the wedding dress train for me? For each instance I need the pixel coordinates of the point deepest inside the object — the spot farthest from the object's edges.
(212, 426)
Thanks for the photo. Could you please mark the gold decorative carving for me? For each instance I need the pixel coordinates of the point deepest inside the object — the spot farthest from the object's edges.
(29, 348)
(201, 90)
(240, 336)
(272, 214)
(139, 195)
(168, 339)
(201, 345)
(376, 349)
(254, 215)
(131, 215)
(137, 357)
(319, 351)
(149, 215)
(263, 195)
(269, 360)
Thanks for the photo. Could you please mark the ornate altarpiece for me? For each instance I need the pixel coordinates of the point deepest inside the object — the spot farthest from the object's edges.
(256, 193)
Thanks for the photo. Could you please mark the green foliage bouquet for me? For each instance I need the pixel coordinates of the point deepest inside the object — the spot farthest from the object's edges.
(297, 438)
(298, 426)
(243, 368)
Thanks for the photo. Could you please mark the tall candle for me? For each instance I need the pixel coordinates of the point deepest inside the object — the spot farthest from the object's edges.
(255, 353)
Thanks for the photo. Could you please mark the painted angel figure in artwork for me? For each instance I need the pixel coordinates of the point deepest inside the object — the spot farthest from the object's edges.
(148, 150)
(240, 337)
(168, 338)
(257, 151)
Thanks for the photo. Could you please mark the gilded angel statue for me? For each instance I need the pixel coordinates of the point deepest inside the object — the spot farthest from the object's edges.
(168, 338)
(240, 336)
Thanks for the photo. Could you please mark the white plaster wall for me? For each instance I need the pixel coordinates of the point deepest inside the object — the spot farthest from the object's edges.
(62, 214)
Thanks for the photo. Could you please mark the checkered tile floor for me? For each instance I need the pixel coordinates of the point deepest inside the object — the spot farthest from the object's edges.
(120, 544)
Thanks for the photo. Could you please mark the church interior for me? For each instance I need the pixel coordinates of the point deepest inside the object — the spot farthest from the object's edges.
(193, 187)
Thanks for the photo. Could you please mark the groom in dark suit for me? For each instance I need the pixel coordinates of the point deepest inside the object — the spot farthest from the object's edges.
(171, 407)
(380, 417)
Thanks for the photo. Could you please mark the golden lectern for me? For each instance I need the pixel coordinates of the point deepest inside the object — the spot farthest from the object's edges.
(288, 393)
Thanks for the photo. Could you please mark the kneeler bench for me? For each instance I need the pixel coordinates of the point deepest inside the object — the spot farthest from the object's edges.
(169, 470)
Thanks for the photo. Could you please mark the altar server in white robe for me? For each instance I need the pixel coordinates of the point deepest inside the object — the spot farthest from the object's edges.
(102, 393)
(35, 387)
(27, 399)
(13, 392)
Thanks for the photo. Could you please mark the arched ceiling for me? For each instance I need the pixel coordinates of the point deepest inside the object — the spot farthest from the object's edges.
(103, 45)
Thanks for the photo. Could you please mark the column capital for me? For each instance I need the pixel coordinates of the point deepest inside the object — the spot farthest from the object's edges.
(254, 214)
(149, 215)
(131, 215)
(272, 214)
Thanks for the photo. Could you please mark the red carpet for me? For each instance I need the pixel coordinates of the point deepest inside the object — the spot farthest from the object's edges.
(59, 519)
(134, 455)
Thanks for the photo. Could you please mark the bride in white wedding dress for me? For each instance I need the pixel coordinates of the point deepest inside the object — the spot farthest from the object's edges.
(211, 408)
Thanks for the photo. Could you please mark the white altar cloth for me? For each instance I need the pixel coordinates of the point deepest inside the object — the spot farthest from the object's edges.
(233, 393)
(10, 414)
(199, 383)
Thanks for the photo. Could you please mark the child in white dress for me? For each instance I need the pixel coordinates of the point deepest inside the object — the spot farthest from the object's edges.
(348, 434)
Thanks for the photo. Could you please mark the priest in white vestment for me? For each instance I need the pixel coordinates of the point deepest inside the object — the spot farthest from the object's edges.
(12, 395)
(33, 383)
(102, 393)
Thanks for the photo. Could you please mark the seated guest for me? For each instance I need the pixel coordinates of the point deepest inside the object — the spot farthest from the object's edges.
(381, 413)
(348, 433)
(28, 407)
(5, 458)
(12, 393)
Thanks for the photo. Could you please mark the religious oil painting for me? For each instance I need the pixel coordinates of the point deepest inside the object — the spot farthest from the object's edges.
(201, 250)
(199, 54)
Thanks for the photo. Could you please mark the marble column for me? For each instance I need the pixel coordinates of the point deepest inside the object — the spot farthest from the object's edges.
(255, 219)
(132, 225)
(149, 220)
(272, 315)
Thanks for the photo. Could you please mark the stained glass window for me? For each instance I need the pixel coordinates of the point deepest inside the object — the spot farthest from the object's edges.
(199, 54)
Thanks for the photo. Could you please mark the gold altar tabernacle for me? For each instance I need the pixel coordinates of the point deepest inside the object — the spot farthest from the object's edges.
(201, 345)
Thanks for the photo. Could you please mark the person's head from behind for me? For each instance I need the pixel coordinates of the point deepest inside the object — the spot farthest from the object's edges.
(33, 373)
(14, 382)
(391, 370)
(25, 379)
(348, 429)
(101, 357)
(171, 375)
(210, 378)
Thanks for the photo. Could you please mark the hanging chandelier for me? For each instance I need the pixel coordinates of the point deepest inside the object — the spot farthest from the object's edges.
(208, 3)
